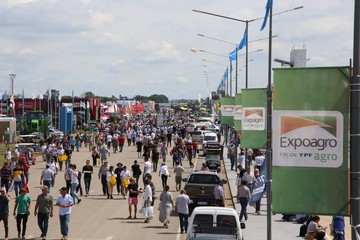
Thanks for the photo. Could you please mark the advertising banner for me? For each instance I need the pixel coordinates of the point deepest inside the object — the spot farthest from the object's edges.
(227, 110)
(238, 112)
(253, 122)
(310, 140)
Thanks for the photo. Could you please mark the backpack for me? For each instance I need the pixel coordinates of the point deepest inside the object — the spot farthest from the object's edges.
(303, 229)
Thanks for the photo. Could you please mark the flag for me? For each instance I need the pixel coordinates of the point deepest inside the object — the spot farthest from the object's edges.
(267, 11)
(259, 185)
(12, 104)
(232, 55)
(4, 95)
(41, 97)
(33, 95)
(243, 41)
(226, 74)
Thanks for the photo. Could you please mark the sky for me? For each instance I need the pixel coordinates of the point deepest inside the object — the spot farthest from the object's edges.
(143, 47)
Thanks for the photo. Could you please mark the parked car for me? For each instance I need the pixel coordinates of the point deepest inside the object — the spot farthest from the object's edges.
(214, 223)
(55, 133)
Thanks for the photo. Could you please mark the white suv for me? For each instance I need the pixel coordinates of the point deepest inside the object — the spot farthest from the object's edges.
(212, 223)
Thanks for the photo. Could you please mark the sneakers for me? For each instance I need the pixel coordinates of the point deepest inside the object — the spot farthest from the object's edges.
(258, 213)
(129, 217)
(79, 201)
(147, 220)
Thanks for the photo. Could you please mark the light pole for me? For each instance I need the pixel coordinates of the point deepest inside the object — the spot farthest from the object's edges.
(205, 60)
(12, 77)
(237, 56)
(246, 29)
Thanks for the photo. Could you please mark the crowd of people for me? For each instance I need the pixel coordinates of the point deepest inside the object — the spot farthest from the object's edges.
(134, 183)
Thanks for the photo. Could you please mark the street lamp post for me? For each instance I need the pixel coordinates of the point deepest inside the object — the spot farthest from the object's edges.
(12, 77)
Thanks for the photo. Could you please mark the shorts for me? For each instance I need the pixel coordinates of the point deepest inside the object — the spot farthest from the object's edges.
(133, 200)
(178, 180)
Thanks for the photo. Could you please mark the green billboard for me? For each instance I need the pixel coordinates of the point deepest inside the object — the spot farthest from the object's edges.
(227, 110)
(310, 140)
(253, 122)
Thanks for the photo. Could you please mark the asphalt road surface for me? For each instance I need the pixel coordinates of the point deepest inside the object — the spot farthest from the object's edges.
(97, 217)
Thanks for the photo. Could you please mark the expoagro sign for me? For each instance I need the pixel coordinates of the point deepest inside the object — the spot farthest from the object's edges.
(253, 119)
(308, 139)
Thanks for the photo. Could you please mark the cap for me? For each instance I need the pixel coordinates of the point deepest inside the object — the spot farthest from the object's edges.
(63, 189)
(2, 189)
(182, 191)
(223, 181)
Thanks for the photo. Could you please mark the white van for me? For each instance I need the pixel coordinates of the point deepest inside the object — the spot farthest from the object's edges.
(214, 223)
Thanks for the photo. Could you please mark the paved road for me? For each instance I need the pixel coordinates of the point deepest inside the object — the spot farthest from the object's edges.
(97, 217)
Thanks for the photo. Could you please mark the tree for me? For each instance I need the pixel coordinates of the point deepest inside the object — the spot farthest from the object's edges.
(159, 98)
(88, 95)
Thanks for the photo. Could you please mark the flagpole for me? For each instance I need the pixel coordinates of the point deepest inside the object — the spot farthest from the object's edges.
(269, 127)
(355, 128)
(23, 102)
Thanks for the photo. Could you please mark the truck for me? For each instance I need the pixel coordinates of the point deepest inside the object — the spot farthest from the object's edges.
(214, 155)
(34, 121)
(199, 186)
(214, 223)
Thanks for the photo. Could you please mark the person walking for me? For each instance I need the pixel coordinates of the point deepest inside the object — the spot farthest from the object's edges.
(5, 175)
(243, 197)
(182, 206)
(94, 155)
(43, 210)
(102, 175)
(135, 168)
(18, 178)
(22, 205)
(64, 201)
(166, 206)
(178, 170)
(47, 177)
(164, 173)
(110, 174)
(4, 210)
(125, 176)
(117, 172)
(147, 197)
(67, 177)
(74, 183)
(219, 194)
(87, 170)
(134, 191)
(104, 153)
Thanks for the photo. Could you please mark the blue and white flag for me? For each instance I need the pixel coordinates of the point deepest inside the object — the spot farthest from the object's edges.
(243, 41)
(4, 96)
(259, 185)
(232, 55)
(267, 11)
(242, 44)
(225, 74)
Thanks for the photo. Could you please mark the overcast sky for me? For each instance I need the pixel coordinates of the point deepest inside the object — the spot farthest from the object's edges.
(142, 47)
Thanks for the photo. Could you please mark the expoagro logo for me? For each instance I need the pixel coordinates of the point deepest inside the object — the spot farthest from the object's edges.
(238, 112)
(253, 119)
(308, 138)
(227, 110)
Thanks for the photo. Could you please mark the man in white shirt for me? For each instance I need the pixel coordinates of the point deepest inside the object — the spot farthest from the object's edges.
(249, 178)
(147, 197)
(74, 183)
(64, 201)
(47, 177)
(259, 160)
(147, 168)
